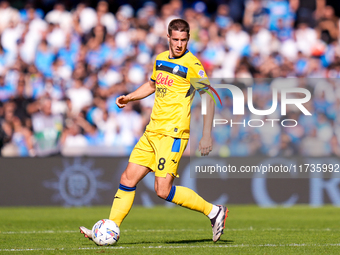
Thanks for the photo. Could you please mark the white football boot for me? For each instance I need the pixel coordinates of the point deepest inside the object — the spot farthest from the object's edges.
(87, 232)
(218, 222)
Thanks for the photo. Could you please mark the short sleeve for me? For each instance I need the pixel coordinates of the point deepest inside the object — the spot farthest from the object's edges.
(153, 75)
(197, 76)
(197, 70)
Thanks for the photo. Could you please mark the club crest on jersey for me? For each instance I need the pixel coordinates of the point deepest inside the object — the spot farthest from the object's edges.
(201, 73)
(164, 80)
(175, 70)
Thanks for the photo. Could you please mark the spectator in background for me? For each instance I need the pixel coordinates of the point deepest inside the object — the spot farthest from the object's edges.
(328, 25)
(6, 91)
(47, 128)
(279, 9)
(108, 126)
(95, 55)
(306, 38)
(7, 125)
(55, 36)
(93, 136)
(32, 35)
(212, 47)
(68, 53)
(7, 15)
(5, 134)
(3, 58)
(79, 95)
(72, 138)
(123, 38)
(261, 40)
(124, 14)
(113, 54)
(283, 31)
(255, 14)
(22, 100)
(24, 12)
(84, 18)
(335, 146)
(237, 39)
(222, 18)
(44, 59)
(98, 32)
(59, 16)
(147, 15)
(106, 18)
(162, 22)
(108, 77)
(35, 82)
(311, 146)
(22, 138)
(61, 72)
(9, 38)
(129, 126)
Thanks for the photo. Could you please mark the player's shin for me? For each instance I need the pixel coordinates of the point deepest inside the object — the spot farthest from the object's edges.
(122, 203)
(190, 199)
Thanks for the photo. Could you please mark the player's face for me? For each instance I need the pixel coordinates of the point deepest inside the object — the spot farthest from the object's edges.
(178, 42)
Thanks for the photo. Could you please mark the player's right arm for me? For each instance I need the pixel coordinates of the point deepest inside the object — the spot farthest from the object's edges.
(143, 91)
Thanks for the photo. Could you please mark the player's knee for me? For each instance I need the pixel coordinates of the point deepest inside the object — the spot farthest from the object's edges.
(162, 193)
(123, 177)
(125, 180)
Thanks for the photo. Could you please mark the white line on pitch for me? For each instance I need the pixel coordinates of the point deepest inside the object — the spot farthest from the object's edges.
(173, 247)
(168, 230)
(38, 232)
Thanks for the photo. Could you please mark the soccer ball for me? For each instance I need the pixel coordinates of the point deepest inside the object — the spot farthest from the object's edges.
(105, 232)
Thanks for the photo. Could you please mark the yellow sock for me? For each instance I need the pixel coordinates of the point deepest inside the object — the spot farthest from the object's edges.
(190, 199)
(122, 203)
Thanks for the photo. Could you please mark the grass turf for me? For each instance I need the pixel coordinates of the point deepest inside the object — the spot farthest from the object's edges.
(249, 230)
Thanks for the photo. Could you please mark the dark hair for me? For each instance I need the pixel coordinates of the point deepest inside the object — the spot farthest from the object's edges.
(178, 25)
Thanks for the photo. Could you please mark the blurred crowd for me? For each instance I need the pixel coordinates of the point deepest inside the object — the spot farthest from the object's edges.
(61, 72)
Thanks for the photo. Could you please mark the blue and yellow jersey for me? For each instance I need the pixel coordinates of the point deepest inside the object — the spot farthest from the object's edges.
(171, 111)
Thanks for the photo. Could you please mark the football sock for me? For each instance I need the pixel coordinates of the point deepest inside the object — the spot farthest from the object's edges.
(213, 212)
(188, 198)
(122, 203)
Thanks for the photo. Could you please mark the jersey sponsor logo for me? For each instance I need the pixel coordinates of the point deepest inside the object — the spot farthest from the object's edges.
(201, 73)
(161, 92)
(164, 80)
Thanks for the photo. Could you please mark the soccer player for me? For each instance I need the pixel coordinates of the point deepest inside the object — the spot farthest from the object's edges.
(160, 148)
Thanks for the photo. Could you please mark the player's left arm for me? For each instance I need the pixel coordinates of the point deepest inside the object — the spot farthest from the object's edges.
(201, 84)
(206, 143)
(199, 81)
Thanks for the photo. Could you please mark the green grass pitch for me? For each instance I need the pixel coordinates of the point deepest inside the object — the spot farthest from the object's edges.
(161, 230)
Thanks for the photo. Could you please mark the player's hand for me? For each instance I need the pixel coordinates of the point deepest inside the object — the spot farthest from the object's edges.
(205, 145)
(122, 101)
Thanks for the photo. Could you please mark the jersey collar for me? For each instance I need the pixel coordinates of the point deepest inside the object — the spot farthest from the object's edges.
(179, 56)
